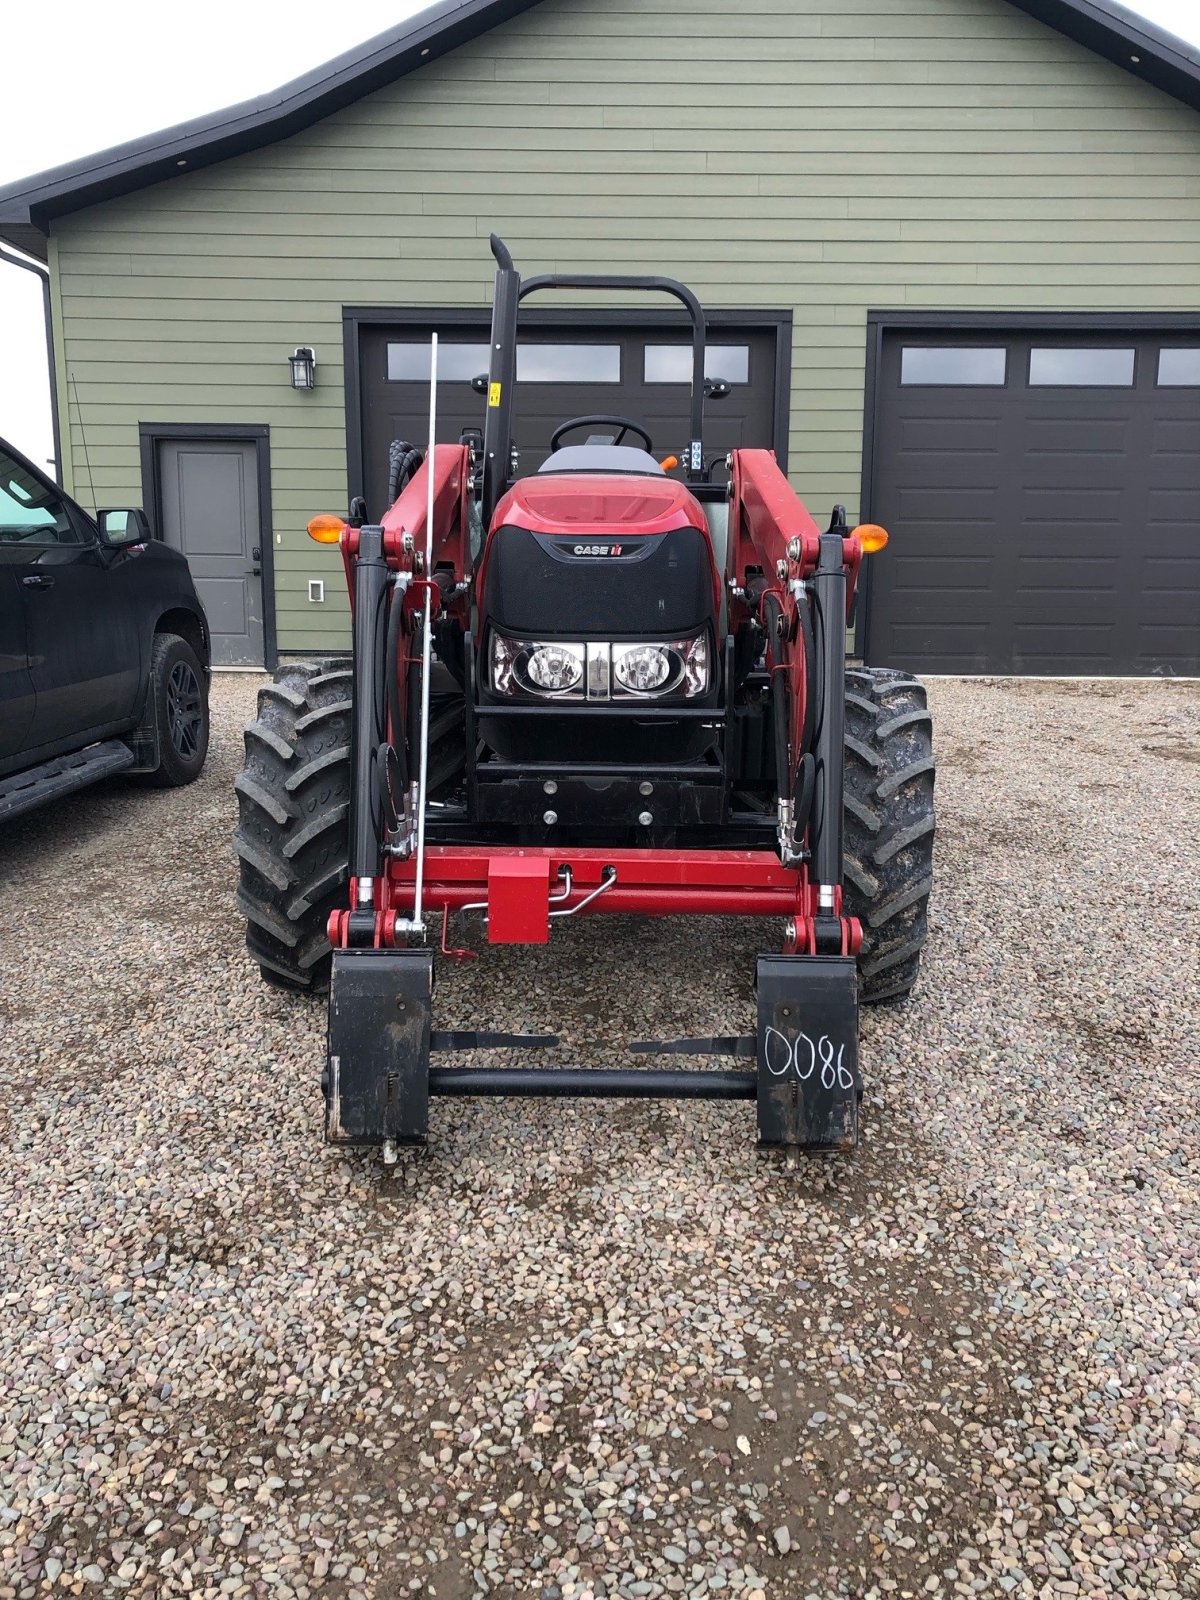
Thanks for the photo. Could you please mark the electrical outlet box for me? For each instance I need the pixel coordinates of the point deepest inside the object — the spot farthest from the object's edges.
(316, 591)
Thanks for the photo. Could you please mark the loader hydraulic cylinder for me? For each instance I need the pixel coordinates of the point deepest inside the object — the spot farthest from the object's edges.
(829, 605)
(368, 729)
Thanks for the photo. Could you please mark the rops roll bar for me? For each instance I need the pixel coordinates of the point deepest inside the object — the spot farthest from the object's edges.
(502, 371)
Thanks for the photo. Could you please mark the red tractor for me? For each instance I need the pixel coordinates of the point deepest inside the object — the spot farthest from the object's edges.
(613, 686)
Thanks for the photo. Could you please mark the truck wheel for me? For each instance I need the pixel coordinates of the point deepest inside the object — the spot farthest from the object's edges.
(179, 701)
(889, 777)
(293, 833)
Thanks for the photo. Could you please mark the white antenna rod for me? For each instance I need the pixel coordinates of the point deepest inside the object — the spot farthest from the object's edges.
(426, 642)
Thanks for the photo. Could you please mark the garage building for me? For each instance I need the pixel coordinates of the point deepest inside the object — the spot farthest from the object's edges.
(951, 250)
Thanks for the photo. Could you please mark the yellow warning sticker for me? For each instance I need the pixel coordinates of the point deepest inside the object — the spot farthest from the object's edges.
(493, 395)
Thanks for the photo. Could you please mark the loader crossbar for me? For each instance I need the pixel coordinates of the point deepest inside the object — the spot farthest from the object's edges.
(594, 1083)
(521, 890)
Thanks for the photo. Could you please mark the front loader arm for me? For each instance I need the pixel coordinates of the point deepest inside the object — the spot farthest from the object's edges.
(797, 584)
(405, 524)
(768, 522)
(385, 568)
(774, 545)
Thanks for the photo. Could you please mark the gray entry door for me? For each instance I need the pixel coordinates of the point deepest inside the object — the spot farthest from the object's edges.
(209, 491)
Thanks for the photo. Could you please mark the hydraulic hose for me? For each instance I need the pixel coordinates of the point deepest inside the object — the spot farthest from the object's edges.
(395, 619)
(799, 789)
(404, 461)
(392, 753)
(780, 697)
(810, 677)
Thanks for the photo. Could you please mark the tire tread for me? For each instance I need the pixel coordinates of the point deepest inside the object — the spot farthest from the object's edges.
(889, 826)
(293, 806)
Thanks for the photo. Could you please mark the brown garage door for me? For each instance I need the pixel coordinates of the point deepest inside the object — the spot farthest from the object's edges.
(1043, 496)
(640, 372)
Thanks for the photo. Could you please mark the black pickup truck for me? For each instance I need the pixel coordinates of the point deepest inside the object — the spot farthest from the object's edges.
(104, 647)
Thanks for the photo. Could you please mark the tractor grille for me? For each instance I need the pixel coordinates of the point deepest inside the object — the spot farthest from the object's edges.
(648, 586)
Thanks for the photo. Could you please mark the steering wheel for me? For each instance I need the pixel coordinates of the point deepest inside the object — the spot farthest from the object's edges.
(624, 425)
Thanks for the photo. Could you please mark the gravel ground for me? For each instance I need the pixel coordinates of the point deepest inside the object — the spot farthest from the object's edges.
(603, 1350)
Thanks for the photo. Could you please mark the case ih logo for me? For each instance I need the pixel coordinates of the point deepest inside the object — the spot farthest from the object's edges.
(596, 550)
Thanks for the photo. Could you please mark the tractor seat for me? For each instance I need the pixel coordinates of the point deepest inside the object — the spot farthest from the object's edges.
(602, 458)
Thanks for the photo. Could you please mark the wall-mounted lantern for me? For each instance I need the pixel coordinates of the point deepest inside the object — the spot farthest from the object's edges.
(304, 368)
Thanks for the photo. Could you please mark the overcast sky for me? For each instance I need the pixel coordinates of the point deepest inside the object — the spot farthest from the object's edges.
(91, 76)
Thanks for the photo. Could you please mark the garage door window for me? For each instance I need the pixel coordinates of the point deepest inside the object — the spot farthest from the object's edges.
(981, 366)
(408, 362)
(1179, 368)
(457, 363)
(1087, 367)
(672, 363)
(569, 363)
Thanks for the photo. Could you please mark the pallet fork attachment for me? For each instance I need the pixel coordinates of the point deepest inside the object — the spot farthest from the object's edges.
(378, 1079)
(809, 1084)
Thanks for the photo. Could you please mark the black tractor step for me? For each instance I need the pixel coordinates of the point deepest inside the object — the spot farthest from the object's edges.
(22, 791)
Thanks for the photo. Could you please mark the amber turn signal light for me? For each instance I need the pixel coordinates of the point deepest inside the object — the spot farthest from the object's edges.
(870, 536)
(669, 463)
(327, 529)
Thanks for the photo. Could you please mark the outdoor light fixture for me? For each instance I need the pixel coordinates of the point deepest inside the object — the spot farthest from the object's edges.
(304, 368)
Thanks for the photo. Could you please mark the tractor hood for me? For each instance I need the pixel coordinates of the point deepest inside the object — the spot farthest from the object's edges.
(599, 504)
(600, 556)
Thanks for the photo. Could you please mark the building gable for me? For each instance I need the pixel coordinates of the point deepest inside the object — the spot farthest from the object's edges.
(27, 207)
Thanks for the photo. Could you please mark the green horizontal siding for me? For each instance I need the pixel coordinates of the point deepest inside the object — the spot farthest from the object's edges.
(976, 161)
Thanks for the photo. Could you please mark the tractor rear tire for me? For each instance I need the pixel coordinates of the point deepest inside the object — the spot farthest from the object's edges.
(889, 826)
(293, 833)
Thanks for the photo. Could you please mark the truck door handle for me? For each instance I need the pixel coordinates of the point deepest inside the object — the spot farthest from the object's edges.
(38, 580)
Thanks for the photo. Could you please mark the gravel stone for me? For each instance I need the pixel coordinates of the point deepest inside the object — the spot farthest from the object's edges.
(600, 1348)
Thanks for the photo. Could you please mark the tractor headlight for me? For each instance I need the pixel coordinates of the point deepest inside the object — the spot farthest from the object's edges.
(549, 671)
(679, 667)
(552, 670)
(641, 668)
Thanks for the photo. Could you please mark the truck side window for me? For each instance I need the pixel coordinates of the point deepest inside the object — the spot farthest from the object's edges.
(29, 512)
